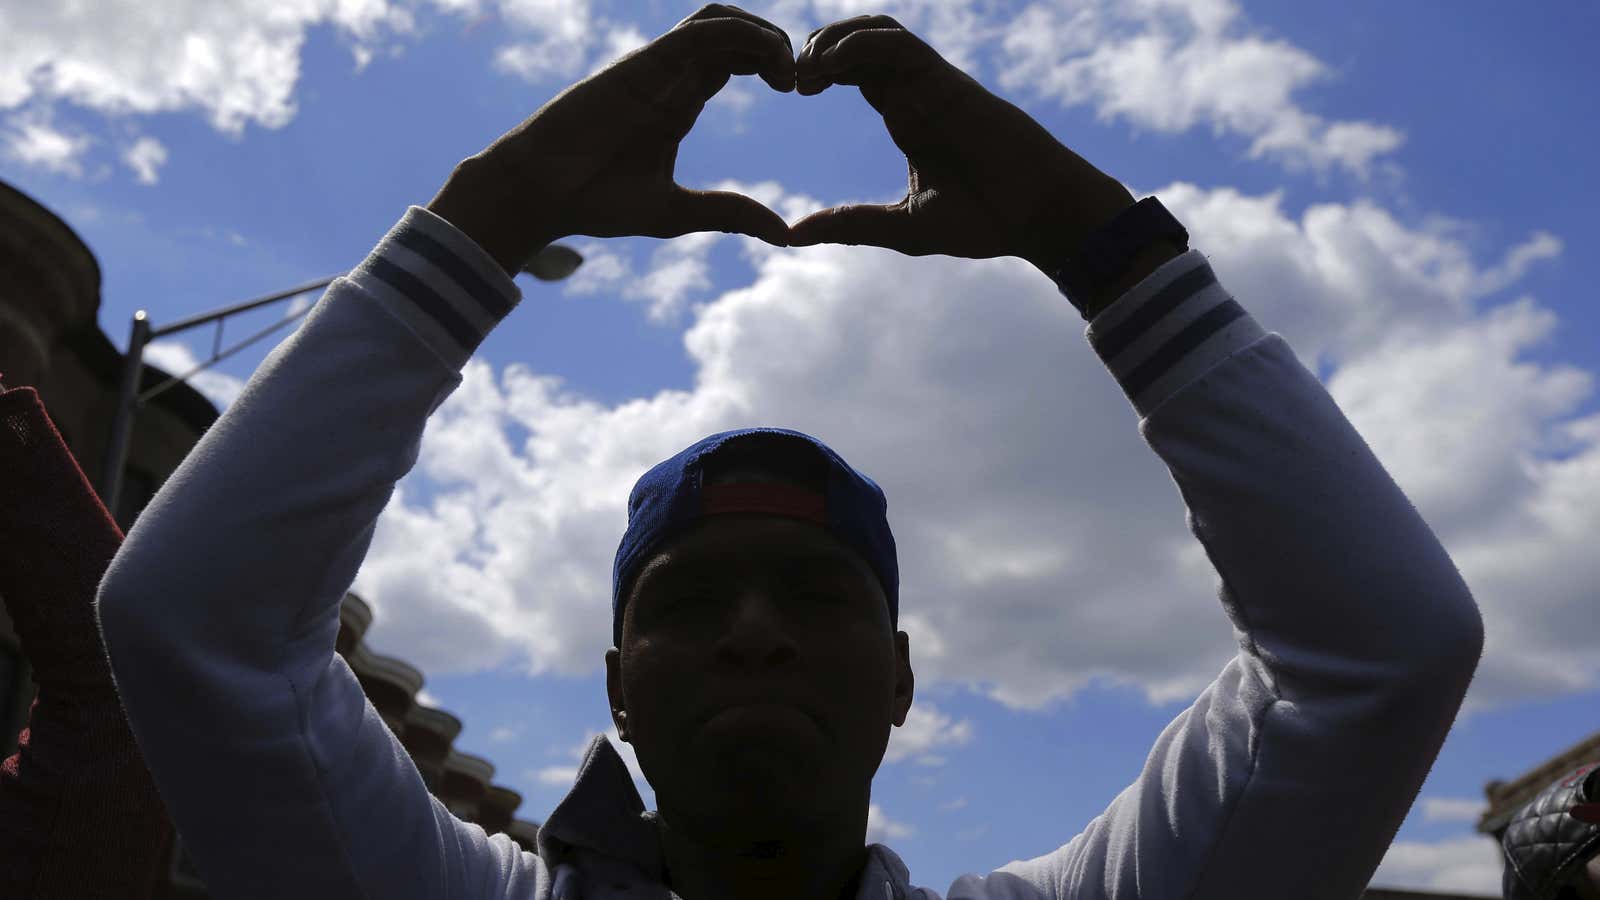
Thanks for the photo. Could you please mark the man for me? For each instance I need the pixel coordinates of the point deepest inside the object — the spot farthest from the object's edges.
(755, 593)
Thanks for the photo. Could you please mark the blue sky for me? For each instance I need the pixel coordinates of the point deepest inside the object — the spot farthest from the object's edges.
(1421, 241)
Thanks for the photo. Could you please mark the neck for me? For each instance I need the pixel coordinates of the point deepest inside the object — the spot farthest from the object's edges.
(772, 863)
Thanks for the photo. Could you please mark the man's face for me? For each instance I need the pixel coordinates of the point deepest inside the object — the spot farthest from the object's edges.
(759, 673)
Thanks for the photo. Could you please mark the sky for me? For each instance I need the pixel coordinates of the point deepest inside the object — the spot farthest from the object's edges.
(1402, 193)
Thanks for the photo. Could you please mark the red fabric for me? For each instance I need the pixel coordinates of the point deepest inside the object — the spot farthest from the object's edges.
(764, 497)
(79, 815)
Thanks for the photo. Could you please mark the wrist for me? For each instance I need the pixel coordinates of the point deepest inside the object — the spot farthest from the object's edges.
(1143, 266)
(1069, 216)
(483, 208)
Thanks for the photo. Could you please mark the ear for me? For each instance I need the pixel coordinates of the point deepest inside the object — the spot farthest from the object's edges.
(905, 682)
(619, 715)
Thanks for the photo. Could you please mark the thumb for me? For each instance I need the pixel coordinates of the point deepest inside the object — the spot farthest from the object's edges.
(725, 211)
(869, 224)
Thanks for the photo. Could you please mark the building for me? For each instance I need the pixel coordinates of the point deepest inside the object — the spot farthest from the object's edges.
(1506, 797)
(50, 340)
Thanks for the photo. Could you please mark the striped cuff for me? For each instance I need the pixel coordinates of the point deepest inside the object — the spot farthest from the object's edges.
(1169, 330)
(440, 283)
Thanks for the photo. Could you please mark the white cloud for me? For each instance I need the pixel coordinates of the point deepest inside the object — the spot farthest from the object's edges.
(503, 734)
(882, 829)
(985, 362)
(237, 63)
(953, 805)
(1470, 865)
(563, 776)
(620, 40)
(535, 60)
(604, 269)
(1452, 809)
(1165, 65)
(956, 28)
(145, 157)
(557, 776)
(34, 140)
(926, 728)
(177, 359)
(1170, 65)
(678, 270)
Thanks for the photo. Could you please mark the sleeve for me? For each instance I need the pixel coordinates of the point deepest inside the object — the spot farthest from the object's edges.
(220, 610)
(1292, 772)
(77, 778)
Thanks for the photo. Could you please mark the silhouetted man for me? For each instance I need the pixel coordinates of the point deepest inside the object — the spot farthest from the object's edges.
(758, 666)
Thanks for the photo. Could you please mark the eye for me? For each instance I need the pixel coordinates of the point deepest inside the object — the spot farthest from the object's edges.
(687, 600)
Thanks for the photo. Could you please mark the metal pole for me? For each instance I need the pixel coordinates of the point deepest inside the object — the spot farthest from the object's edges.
(246, 306)
(122, 418)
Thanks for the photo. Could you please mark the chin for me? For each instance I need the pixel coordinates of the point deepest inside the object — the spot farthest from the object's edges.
(757, 782)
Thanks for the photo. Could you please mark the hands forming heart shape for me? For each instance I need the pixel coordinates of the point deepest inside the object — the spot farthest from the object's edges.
(984, 179)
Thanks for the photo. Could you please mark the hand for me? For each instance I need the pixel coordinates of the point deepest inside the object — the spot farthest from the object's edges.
(985, 179)
(598, 159)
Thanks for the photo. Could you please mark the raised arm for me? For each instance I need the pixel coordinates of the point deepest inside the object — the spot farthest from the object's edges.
(1291, 773)
(220, 610)
(77, 779)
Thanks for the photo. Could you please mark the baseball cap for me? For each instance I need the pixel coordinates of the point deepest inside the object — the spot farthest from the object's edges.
(675, 495)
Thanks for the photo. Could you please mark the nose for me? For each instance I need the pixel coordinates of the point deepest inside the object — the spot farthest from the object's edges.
(758, 636)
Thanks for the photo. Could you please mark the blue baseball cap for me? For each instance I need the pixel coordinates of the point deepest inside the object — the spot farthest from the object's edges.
(673, 496)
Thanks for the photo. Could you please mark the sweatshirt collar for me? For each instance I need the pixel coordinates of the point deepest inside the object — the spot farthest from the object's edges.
(604, 812)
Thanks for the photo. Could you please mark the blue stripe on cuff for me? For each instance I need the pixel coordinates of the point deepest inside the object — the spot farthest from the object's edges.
(1192, 336)
(1151, 311)
(492, 301)
(427, 299)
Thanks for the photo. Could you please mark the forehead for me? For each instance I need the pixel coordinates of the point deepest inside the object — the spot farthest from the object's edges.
(741, 542)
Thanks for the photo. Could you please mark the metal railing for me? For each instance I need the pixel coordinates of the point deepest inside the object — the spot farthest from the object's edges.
(130, 398)
(553, 262)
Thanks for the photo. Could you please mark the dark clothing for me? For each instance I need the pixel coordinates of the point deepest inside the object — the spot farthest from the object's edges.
(79, 813)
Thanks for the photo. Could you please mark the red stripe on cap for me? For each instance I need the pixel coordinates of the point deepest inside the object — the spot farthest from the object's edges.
(764, 497)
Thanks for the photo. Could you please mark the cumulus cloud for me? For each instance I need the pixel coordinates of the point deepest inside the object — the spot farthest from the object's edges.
(1164, 65)
(958, 29)
(676, 272)
(881, 828)
(236, 63)
(35, 140)
(564, 39)
(177, 359)
(1172, 65)
(966, 389)
(1469, 864)
(565, 774)
(145, 157)
(1452, 809)
(926, 727)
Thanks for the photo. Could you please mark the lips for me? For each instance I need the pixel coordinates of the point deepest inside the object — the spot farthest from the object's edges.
(769, 701)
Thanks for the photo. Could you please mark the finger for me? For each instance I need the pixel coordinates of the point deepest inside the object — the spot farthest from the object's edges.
(729, 43)
(892, 51)
(824, 39)
(873, 59)
(725, 211)
(724, 11)
(863, 224)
